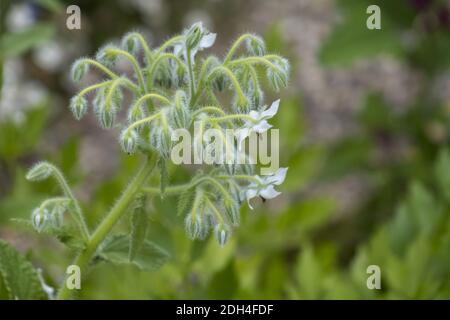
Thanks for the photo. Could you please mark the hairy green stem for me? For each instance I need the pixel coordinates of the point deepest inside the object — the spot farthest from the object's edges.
(191, 72)
(109, 221)
(135, 64)
(235, 46)
(78, 214)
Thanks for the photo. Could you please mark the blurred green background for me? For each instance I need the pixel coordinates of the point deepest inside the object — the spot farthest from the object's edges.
(363, 129)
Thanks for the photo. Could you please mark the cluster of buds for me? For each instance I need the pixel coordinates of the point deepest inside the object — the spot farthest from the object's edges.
(50, 214)
(173, 88)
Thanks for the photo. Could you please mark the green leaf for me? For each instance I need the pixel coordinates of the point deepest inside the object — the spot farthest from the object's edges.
(149, 258)
(18, 276)
(139, 226)
(14, 44)
(164, 175)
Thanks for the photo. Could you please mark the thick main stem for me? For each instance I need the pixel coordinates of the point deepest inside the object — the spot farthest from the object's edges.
(108, 222)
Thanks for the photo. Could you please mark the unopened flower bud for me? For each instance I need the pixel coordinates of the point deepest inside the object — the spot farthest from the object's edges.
(241, 105)
(231, 207)
(106, 106)
(78, 106)
(256, 46)
(135, 114)
(79, 69)
(107, 56)
(40, 171)
(129, 140)
(39, 219)
(194, 35)
(193, 225)
(180, 111)
(57, 214)
(130, 43)
(279, 78)
(161, 140)
(222, 233)
(163, 75)
(106, 117)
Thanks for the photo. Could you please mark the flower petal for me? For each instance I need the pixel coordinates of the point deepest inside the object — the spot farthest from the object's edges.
(278, 177)
(269, 113)
(250, 194)
(207, 41)
(269, 192)
(262, 126)
(241, 135)
(254, 114)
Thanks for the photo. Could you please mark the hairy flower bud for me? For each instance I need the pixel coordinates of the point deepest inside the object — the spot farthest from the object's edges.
(218, 81)
(194, 35)
(78, 106)
(39, 219)
(222, 233)
(178, 74)
(241, 104)
(179, 113)
(106, 106)
(57, 214)
(135, 114)
(107, 56)
(40, 171)
(160, 139)
(163, 75)
(193, 225)
(255, 45)
(106, 117)
(231, 207)
(130, 43)
(279, 78)
(129, 140)
(79, 68)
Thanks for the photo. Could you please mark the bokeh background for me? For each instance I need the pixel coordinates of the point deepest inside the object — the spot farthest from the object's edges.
(363, 128)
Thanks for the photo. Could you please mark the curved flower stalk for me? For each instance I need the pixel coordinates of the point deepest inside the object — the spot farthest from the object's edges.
(173, 88)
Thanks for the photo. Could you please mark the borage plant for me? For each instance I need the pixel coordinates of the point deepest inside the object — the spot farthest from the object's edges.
(172, 89)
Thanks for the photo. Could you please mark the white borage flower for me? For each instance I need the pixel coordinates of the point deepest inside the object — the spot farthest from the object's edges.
(196, 39)
(260, 124)
(265, 189)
